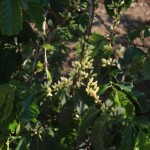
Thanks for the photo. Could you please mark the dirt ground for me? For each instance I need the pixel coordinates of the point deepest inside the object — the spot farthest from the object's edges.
(136, 16)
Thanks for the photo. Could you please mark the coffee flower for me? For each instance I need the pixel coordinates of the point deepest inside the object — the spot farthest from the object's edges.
(92, 89)
(108, 62)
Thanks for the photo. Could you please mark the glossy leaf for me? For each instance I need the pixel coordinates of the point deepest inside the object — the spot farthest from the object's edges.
(36, 13)
(6, 103)
(66, 113)
(11, 17)
(146, 70)
(110, 11)
(22, 145)
(98, 131)
(86, 122)
(30, 110)
(142, 121)
(141, 140)
(128, 138)
(131, 53)
(136, 64)
(134, 35)
(147, 32)
(122, 100)
(7, 64)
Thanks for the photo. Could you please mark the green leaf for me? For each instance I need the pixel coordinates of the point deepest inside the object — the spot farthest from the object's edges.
(136, 64)
(98, 131)
(59, 5)
(134, 35)
(24, 4)
(131, 53)
(104, 88)
(12, 126)
(146, 70)
(49, 76)
(122, 100)
(141, 140)
(146, 146)
(8, 64)
(22, 145)
(48, 47)
(10, 17)
(30, 113)
(38, 144)
(110, 11)
(128, 139)
(6, 102)
(147, 32)
(36, 13)
(142, 121)
(86, 121)
(65, 3)
(65, 116)
(30, 109)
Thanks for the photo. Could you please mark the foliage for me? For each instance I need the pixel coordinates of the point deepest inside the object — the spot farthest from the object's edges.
(102, 102)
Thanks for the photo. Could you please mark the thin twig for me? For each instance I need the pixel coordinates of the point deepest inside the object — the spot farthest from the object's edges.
(91, 17)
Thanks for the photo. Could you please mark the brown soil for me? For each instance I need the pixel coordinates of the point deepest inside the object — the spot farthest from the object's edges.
(137, 16)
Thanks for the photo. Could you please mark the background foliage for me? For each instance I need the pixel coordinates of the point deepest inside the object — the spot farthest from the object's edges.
(101, 103)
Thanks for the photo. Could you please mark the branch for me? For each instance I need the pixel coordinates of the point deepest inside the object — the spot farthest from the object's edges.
(91, 17)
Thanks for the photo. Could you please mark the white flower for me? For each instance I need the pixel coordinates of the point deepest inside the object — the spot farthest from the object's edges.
(104, 61)
(108, 103)
(49, 92)
(120, 110)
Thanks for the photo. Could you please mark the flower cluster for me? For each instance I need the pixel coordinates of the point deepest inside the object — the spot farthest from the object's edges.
(80, 71)
(108, 62)
(49, 91)
(64, 83)
(92, 90)
(108, 47)
(114, 111)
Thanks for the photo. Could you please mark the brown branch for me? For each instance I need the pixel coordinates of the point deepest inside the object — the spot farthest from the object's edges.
(91, 17)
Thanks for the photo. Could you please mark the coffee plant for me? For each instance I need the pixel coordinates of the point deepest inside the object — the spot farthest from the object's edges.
(100, 101)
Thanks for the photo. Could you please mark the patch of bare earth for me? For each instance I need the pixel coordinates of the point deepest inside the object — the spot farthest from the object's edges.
(137, 16)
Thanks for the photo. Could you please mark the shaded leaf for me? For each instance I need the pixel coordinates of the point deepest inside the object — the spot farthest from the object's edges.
(7, 99)
(22, 145)
(36, 13)
(134, 35)
(30, 110)
(128, 139)
(147, 32)
(98, 131)
(66, 113)
(38, 144)
(136, 64)
(86, 121)
(110, 11)
(8, 63)
(146, 70)
(142, 121)
(11, 17)
(131, 53)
